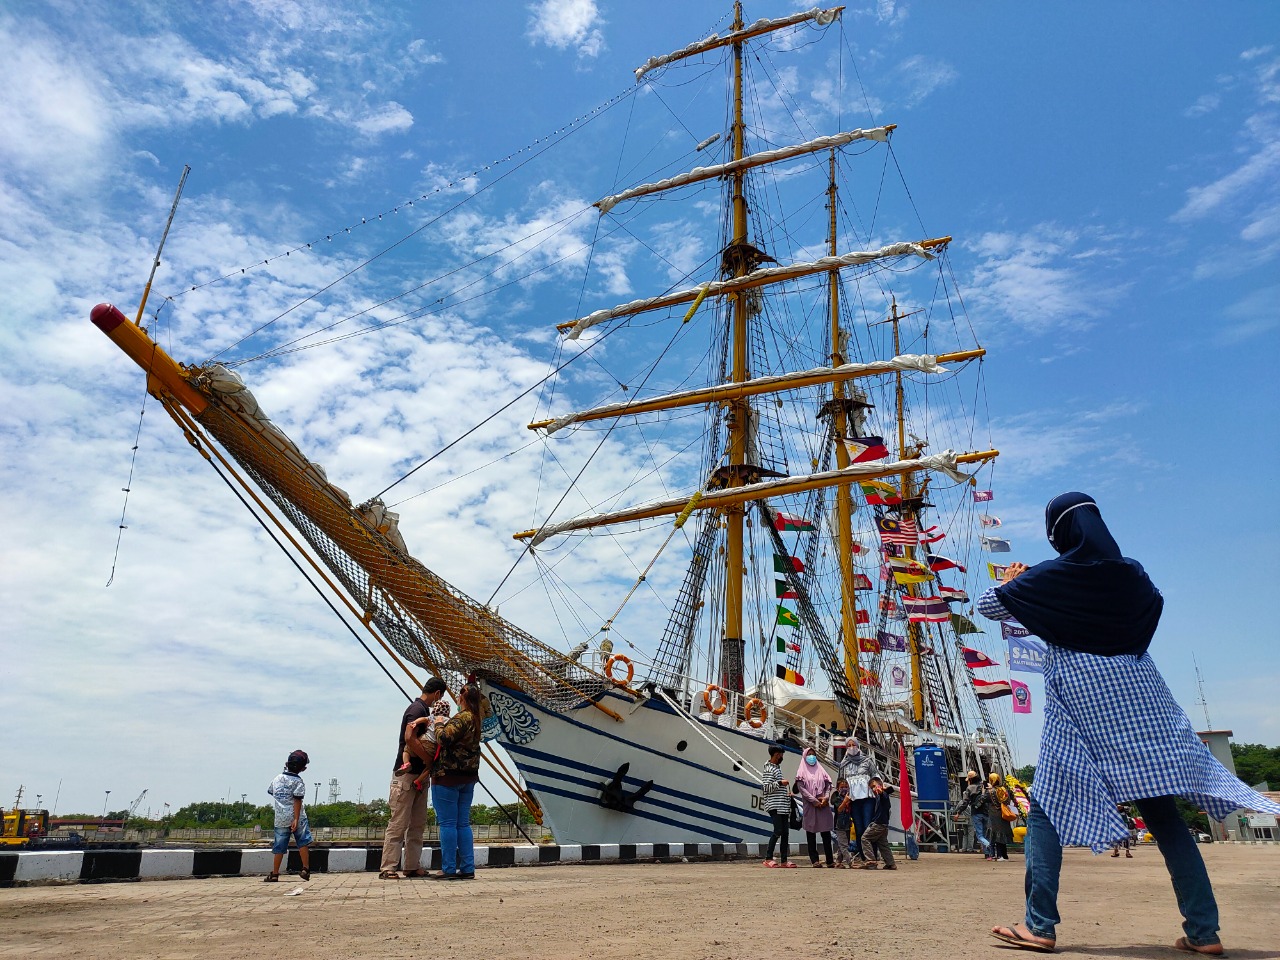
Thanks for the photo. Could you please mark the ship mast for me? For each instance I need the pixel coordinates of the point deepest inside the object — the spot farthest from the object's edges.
(732, 644)
(840, 413)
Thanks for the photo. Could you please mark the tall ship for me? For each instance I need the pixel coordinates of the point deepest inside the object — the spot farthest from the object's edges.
(812, 392)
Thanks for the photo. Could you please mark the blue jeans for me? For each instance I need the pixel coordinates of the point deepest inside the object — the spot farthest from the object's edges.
(980, 832)
(863, 810)
(1182, 858)
(453, 817)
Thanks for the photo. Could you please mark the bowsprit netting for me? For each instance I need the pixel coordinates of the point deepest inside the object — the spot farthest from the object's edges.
(427, 621)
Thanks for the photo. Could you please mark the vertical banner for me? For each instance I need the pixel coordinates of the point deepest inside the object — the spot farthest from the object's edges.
(1021, 696)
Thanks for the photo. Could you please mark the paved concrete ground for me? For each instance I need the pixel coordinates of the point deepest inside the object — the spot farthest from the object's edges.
(938, 908)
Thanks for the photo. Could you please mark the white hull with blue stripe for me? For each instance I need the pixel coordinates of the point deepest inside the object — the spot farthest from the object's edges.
(699, 795)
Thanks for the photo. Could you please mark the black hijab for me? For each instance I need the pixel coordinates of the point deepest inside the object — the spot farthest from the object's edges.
(1090, 598)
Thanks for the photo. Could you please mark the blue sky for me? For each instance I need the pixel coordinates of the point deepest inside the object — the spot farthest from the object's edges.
(1109, 172)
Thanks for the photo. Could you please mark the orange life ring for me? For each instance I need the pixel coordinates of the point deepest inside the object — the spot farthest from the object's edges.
(749, 711)
(608, 669)
(720, 705)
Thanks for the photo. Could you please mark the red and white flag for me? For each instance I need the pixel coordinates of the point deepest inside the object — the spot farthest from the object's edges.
(931, 534)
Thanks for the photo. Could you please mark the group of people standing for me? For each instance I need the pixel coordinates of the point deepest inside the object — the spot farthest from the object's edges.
(851, 815)
(437, 755)
(992, 811)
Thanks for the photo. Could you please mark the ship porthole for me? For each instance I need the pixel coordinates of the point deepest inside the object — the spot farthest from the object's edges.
(736, 768)
(682, 745)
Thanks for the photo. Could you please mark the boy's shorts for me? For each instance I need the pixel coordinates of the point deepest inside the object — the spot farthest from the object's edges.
(303, 835)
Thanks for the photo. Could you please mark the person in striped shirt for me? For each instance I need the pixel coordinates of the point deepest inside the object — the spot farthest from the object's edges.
(777, 803)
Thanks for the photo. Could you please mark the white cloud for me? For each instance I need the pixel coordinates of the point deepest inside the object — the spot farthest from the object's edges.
(1259, 168)
(568, 23)
(1205, 103)
(920, 76)
(388, 118)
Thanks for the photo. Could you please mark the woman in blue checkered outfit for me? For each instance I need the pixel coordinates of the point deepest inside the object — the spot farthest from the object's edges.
(1112, 731)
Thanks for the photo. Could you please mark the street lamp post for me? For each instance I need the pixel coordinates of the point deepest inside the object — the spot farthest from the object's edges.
(317, 799)
(105, 799)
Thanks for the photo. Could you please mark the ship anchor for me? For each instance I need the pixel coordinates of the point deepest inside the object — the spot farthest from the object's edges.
(614, 797)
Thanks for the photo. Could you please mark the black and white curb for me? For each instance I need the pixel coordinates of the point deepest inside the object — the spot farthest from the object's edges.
(77, 866)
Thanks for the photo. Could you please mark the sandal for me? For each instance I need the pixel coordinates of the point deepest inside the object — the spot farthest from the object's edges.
(1209, 949)
(770, 863)
(389, 875)
(787, 864)
(1013, 938)
(305, 874)
(271, 878)
(416, 873)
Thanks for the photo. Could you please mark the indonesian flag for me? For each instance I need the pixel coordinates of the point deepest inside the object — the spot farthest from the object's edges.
(866, 449)
(991, 689)
(976, 658)
(931, 534)
(927, 609)
(784, 522)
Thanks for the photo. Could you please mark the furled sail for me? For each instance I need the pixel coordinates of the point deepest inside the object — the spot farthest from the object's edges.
(698, 174)
(756, 278)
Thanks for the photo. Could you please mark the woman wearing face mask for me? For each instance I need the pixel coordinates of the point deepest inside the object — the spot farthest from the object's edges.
(814, 786)
(1112, 731)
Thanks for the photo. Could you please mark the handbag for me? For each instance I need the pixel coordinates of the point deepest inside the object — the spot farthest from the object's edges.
(1008, 815)
(797, 816)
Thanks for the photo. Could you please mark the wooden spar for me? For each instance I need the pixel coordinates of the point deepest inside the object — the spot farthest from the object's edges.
(734, 391)
(164, 374)
(723, 499)
(757, 278)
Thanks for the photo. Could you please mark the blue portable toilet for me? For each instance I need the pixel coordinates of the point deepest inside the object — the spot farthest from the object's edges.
(932, 793)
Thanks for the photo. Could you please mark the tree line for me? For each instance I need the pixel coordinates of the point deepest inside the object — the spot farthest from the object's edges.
(220, 815)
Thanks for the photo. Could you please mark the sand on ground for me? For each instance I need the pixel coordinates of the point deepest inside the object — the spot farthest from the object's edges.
(939, 908)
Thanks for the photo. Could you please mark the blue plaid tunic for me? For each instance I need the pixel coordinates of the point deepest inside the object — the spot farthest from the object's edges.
(1113, 734)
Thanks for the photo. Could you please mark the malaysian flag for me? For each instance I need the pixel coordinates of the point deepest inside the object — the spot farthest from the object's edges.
(898, 531)
(927, 609)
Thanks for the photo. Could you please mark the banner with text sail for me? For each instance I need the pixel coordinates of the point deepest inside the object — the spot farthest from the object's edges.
(1026, 654)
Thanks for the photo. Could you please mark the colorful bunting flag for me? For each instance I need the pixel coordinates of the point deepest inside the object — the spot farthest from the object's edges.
(866, 449)
(782, 564)
(1012, 628)
(995, 545)
(991, 689)
(784, 522)
(997, 570)
(897, 531)
(910, 571)
(891, 641)
(790, 676)
(879, 493)
(861, 581)
(953, 594)
(937, 562)
(782, 590)
(931, 534)
(927, 609)
(787, 618)
(1027, 655)
(976, 658)
(983, 496)
(962, 625)
(988, 521)
(1021, 696)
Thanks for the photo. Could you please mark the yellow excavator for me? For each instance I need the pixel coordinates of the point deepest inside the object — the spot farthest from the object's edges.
(23, 827)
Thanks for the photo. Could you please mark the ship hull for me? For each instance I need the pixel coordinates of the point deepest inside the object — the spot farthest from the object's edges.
(699, 794)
